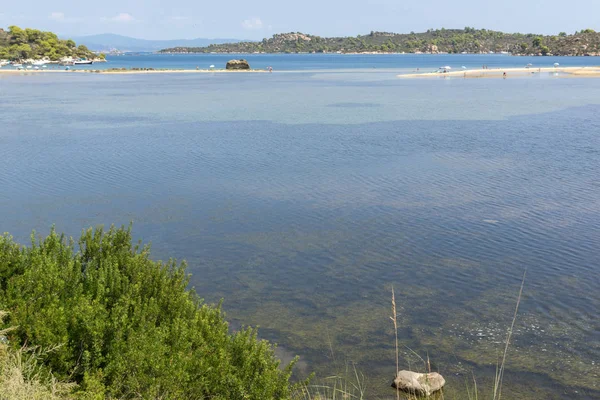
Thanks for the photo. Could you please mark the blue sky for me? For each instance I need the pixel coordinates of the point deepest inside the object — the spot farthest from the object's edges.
(176, 19)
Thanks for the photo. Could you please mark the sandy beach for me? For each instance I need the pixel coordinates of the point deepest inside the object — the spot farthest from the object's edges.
(564, 72)
(128, 71)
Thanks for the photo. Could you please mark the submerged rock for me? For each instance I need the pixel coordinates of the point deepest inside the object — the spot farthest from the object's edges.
(237, 64)
(420, 384)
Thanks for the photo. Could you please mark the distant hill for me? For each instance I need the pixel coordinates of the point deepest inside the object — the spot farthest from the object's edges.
(108, 41)
(467, 40)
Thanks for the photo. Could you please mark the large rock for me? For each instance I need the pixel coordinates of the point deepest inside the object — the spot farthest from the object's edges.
(419, 384)
(237, 64)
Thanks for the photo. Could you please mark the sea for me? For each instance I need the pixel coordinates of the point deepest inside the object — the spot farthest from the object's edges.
(302, 197)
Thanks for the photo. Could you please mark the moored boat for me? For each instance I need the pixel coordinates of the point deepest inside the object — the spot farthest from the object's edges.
(83, 62)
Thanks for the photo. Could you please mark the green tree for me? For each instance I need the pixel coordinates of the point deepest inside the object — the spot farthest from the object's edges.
(537, 42)
(524, 47)
(82, 51)
(33, 35)
(18, 35)
(20, 51)
(562, 34)
(544, 50)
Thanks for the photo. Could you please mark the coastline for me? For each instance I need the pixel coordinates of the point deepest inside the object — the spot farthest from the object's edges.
(568, 72)
(128, 72)
(562, 72)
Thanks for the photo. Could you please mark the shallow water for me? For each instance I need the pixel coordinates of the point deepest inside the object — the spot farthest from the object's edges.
(301, 198)
(315, 62)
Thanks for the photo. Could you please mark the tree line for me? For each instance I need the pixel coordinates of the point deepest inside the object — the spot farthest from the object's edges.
(469, 40)
(22, 44)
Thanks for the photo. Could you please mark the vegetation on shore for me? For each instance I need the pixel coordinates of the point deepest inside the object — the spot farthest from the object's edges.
(113, 323)
(23, 44)
(470, 40)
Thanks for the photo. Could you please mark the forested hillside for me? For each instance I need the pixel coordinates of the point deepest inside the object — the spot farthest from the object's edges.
(22, 44)
(469, 40)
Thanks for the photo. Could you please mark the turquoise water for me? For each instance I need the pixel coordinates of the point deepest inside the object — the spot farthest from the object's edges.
(301, 198)
(312, 62)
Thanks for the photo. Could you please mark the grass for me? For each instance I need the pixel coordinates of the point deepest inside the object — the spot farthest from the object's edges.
(22, 376)
(351, 384)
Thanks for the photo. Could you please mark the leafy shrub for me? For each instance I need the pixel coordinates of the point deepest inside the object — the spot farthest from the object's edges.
(129, 326)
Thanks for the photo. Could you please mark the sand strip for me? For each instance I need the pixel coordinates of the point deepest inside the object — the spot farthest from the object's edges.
(129, 71)
(510, 72)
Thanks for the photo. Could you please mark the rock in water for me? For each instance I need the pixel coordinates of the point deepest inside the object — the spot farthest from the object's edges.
(237, 64)
(420, 384)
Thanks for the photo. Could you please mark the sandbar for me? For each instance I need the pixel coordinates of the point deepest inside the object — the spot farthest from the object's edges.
(565, 72)
(129, 71)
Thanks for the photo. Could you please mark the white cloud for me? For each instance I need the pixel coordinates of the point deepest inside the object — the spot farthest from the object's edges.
(123, 17)
(57, 16)
(252, 23)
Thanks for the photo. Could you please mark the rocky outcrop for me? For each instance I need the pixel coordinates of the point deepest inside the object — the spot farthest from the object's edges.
(433, 49)
(237, 64)
(419, 384)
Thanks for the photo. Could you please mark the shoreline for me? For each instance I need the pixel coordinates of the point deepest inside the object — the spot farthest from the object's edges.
(129, 71)
(562, 72)
(569, 72)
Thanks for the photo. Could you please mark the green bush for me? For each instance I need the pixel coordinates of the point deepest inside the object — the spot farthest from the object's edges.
(129, 326)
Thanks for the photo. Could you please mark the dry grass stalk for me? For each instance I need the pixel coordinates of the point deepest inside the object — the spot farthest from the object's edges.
(395, 321)
(500, 372)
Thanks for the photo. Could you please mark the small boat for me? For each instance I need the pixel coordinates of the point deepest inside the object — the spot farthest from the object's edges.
(39, 63)
(17, 65)
(83, 62)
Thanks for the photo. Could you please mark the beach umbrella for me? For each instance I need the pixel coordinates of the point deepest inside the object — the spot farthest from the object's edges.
(212, 67)
(463, 67)
(556, 65)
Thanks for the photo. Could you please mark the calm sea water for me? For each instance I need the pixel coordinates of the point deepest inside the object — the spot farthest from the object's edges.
(302, 198)
(294, 62)
(314, 62)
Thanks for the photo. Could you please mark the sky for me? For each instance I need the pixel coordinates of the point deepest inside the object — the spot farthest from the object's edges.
(243, 19)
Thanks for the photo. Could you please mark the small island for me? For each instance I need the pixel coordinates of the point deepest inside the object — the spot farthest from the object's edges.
(27, 45)
(438, 41)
